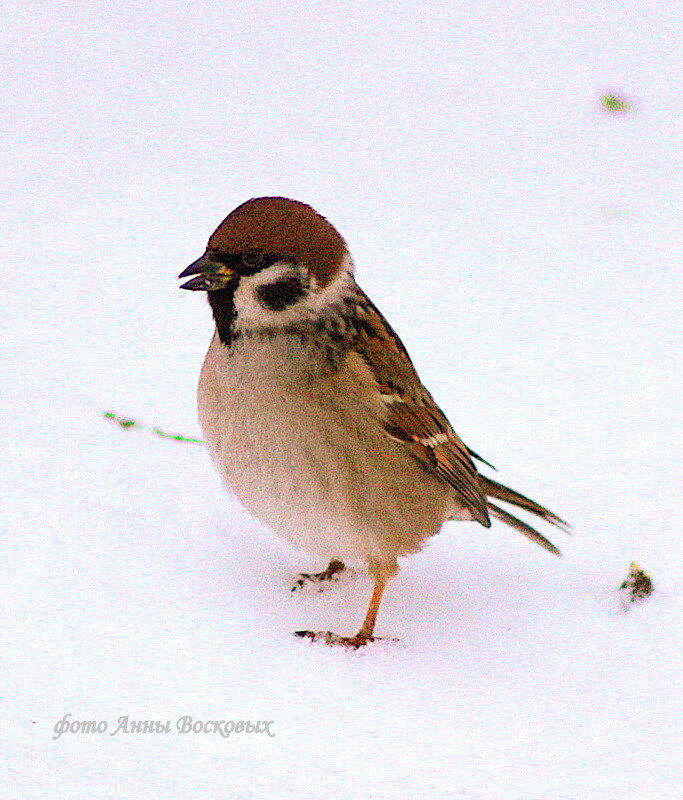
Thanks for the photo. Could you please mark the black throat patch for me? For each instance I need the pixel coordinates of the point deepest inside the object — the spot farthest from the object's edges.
(222, 303)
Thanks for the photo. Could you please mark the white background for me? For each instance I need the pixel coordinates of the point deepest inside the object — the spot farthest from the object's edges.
(526, 246)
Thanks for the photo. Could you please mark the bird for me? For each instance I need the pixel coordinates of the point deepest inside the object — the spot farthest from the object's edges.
(313, 412)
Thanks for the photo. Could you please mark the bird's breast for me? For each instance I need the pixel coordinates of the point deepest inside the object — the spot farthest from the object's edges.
(307, 455)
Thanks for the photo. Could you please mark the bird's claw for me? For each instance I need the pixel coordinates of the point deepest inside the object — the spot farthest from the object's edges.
(328, 574)
(352, 642)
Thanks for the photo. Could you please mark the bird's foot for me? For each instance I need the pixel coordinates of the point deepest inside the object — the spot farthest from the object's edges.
(352, 642)
(328, 574)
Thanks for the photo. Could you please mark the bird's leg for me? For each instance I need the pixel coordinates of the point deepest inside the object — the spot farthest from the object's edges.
(368, 625)
(381, 575)
(327, 574)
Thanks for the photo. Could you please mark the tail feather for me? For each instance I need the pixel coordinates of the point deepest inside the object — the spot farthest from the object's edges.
(496, 490)
(522, 527)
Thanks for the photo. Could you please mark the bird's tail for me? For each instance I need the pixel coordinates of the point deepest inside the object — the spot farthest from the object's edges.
(499, 492)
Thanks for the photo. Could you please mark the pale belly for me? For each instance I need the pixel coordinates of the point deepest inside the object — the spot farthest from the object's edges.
(316, 469)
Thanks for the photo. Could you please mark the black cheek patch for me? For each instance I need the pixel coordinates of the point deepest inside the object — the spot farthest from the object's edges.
(281, 294)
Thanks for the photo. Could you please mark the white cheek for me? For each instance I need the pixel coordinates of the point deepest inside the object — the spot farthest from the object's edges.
(250, 310)
(252, 314)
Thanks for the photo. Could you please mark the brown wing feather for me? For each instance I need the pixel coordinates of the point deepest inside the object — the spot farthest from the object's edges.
(412, 416)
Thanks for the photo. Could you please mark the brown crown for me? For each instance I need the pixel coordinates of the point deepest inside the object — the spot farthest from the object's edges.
(278, 226)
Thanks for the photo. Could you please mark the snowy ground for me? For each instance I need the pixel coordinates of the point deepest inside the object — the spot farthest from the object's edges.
(526, 246)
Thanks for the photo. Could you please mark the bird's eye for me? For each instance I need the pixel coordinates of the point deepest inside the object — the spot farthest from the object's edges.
(252, 260)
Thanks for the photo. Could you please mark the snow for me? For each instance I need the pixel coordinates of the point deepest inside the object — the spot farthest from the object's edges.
(524, 243)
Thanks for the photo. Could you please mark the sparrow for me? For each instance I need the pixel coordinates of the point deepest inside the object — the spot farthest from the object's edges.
(313, 412)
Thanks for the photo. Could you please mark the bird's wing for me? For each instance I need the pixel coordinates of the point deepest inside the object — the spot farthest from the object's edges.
(410, 415)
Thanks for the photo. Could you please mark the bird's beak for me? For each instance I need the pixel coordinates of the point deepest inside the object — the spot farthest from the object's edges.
(210, 275)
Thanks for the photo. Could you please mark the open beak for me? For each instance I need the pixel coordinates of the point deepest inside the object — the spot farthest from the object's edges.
(210, 275)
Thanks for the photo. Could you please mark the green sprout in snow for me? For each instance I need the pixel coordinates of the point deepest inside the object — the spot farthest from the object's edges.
(638, 584)
(614, 104)
(125, 423)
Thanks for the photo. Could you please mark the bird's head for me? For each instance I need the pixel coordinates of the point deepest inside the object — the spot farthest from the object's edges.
(270, 263)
